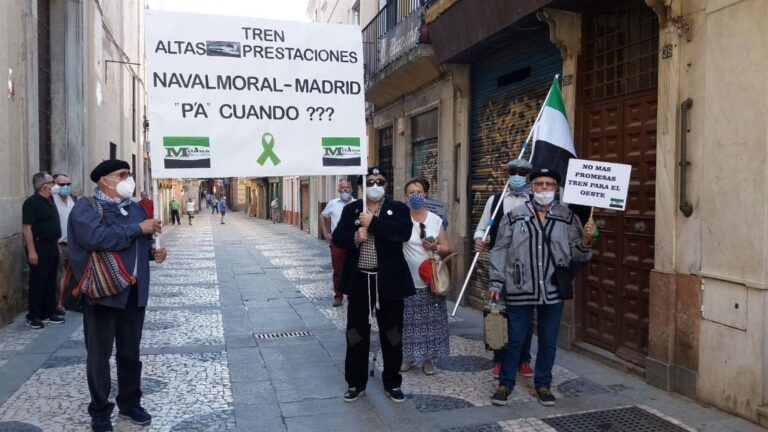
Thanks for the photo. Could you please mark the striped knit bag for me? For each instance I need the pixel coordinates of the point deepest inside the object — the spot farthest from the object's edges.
(104, 273)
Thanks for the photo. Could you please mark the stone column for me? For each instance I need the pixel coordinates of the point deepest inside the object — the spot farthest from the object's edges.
(565, 33)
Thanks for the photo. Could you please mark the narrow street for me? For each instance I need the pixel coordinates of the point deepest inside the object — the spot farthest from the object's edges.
(240, 335)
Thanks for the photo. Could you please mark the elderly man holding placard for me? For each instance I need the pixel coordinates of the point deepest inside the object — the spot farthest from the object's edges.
(535, 245)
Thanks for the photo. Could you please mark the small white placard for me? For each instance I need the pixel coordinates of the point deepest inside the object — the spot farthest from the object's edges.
(597, 184)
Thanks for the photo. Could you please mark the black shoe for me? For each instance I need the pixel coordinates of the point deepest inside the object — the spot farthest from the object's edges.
(352, 394)
(54, 319)
(60, 311)
(35, 323)
(137, 416)
(396, 395)
(546, 397)
(501, 395)
(101, 425)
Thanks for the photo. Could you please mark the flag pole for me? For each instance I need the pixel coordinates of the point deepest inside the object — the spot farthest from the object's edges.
(477, 254)
(538, 116)
(156, 202)
(498, 205)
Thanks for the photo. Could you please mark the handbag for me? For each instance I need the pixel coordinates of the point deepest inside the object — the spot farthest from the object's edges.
(104, 273)
(495, 329)
(436, 273)
(441, 275)
(71, 298)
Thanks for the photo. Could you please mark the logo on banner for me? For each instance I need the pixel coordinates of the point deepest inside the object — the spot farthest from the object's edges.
(341, 151)
(187, 152)
(222, 48)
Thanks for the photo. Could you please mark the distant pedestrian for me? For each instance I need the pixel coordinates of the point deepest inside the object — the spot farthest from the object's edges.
(175, 206)
(222, 206)
(425, 318)
(41, 231)
(64, 202)
(147, 204)
(190, 209)
(331, 215)
(376, 280)
(119, 225)
(274, 206)
(214, 205)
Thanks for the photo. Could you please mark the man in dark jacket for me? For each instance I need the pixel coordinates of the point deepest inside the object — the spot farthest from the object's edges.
(123, 228)
(375, 278)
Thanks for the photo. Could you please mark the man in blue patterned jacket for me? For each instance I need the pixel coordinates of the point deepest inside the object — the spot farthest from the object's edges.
(123, 228)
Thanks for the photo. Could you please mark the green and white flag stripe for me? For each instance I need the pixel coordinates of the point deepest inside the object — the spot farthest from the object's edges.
(553, 142)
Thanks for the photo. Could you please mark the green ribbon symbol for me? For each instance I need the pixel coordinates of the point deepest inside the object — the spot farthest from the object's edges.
(268, 143)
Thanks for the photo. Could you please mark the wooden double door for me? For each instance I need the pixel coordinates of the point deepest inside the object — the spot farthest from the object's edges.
(615, 284)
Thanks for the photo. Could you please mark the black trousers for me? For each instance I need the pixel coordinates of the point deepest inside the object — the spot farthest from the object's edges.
(103, 327)
(175, 217)
(42, 280)
(390, 320)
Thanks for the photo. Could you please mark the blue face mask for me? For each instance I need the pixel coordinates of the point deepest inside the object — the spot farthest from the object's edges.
(63, 191)
(345, 196)
(416, 201)
(516, 181)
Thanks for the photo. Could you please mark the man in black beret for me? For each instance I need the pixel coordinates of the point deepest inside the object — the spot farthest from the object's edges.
(376, 279)
(111, 221)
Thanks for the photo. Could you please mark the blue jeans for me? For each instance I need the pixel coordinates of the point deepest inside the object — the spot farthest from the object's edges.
(525, 354)
(519, 319)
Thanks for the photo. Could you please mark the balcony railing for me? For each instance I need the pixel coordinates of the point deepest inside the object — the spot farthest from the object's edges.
(391, 33)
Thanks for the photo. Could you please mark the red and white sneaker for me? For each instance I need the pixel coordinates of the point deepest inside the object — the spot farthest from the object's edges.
(496, 370)
(525, 369)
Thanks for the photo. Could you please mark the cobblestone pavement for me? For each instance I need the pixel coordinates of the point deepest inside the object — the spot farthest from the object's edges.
(240, 334)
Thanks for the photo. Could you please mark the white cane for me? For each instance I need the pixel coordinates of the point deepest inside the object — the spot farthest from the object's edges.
(477, 254)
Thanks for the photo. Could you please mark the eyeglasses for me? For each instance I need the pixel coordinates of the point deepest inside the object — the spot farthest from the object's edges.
(519, 171)
(124, 175)
(423, 232)
(378, 182)
(64, 184)
(544, 184)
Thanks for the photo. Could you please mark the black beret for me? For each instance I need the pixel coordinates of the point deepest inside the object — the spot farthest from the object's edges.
(371, 171)
(106, 167)
(544, 172)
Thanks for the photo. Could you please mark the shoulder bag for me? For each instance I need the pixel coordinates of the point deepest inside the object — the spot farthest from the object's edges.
(104, 273)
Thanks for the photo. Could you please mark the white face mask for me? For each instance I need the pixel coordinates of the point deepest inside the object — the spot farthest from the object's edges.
(374, 193)
(55, 189)
(544, 198)
(126, 187)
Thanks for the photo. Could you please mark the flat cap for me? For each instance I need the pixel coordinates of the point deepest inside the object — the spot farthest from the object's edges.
(545, 172)
(520, 163)
(106, 167)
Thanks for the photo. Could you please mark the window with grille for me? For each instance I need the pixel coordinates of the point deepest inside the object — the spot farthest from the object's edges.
(386, 138)
(621, 48)
(424, 148)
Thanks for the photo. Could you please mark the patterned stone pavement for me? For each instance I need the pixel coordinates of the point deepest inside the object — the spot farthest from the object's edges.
(241, 334)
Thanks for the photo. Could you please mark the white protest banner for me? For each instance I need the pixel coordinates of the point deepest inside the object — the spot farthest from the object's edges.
(597, 184)
(241, 96)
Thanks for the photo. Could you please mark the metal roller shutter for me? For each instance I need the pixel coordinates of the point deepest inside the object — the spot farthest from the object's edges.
(424, 148)
(508, 88)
